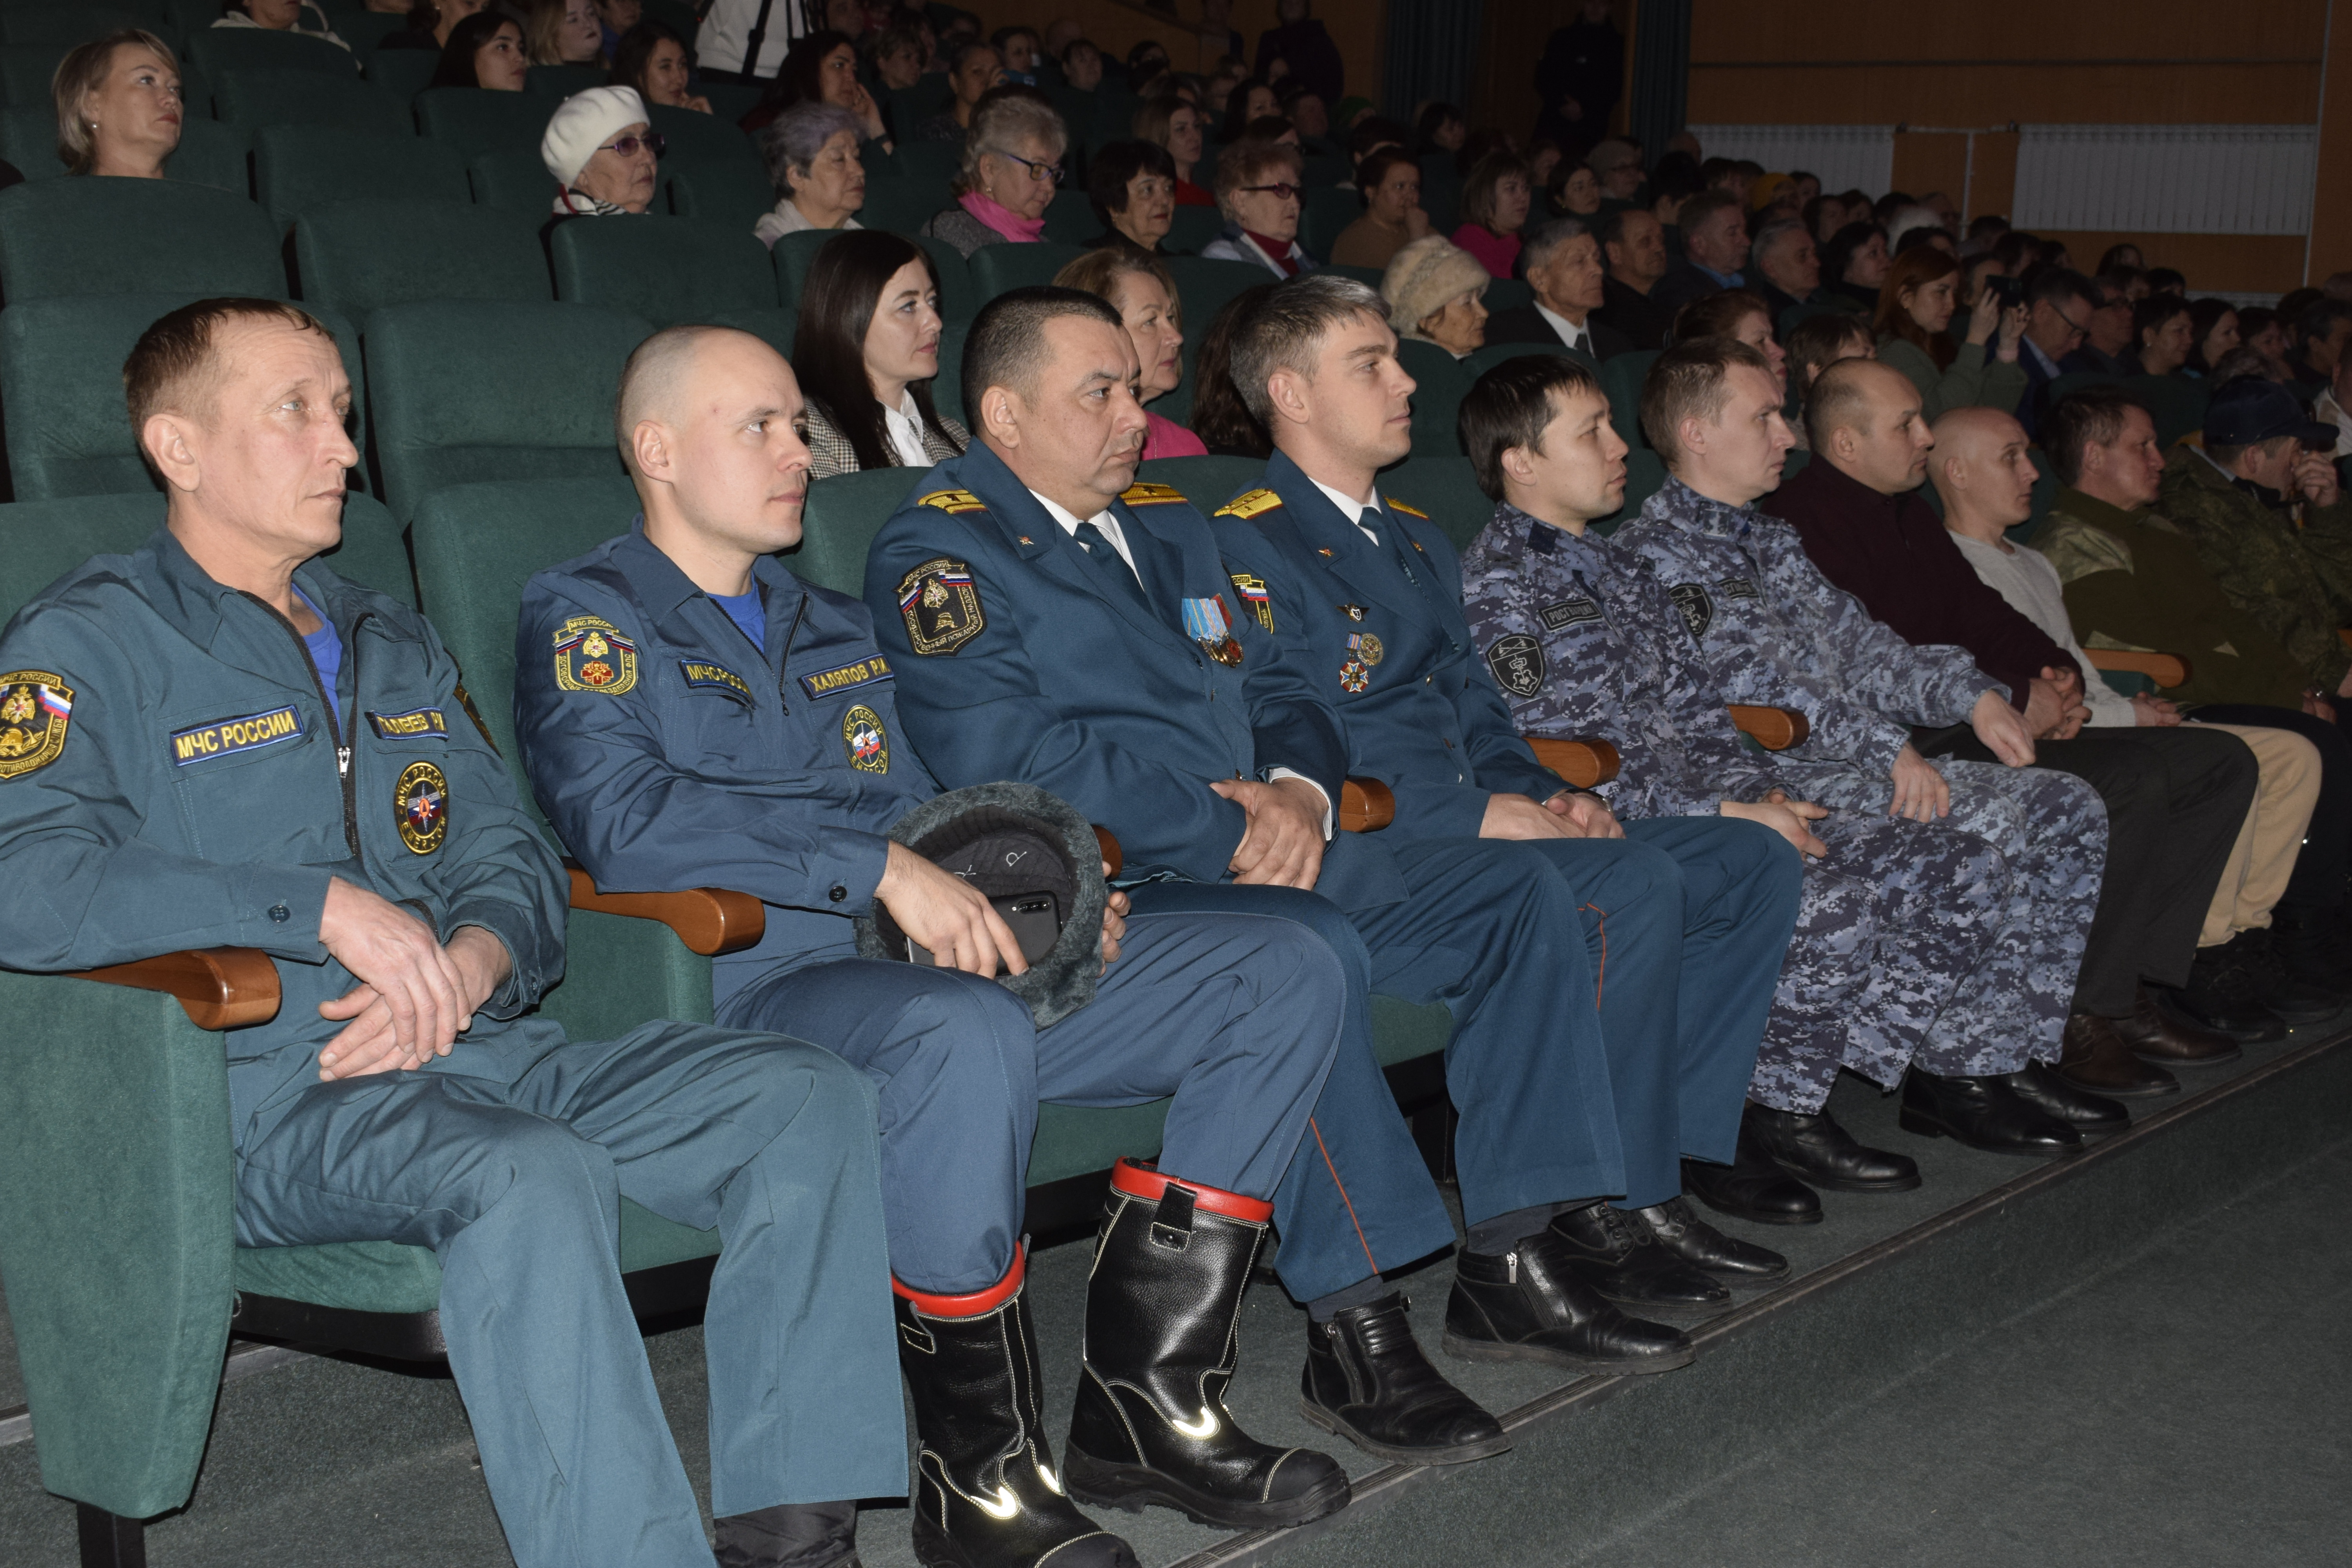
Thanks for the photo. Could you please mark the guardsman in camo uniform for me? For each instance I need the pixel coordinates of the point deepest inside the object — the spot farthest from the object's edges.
(1774, 632)
(1897, 921)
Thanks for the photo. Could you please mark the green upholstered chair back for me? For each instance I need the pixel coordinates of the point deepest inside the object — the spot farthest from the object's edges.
(1645, 475)
(901, 204)
(1369, 276)
(959, 296)
(1621, 378)
(518, 181)
(734, 193)
(932, 162)
(1436, 399)
(668, 272)
(210, 154)
(1207, 482)
(997, 267)
(217, 50)
(475, 120)
(694, 140)
(1070, 218)
(124, 236)
(406, 72)
(26, 72)
(1191, 228)
(1481, 360)
(1329, 209)
(299, 168)
(1507, 293)
(730, 101)
(843, 515)
(1444, 487)
(473, 390)
(65, 25)
(793, 256)
(360, 256)
(2176, 402)
(1205, 285)
(252, 98)
(556, 83)
(1441, 190)
(48, 539)
(68, 430)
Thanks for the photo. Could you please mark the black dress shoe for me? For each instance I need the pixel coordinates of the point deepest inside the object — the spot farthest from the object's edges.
(2221, 995)
(1367, 1381)
(2296, 1000)
(2092, 1115)
(1677, 1228)
(1984, 1113)
(1820, 1152)
(788, 1535)
(2155, 1034)
(2310, 944)
(2094, 1057)
(1620, 1258)
(1752, 1187)
(1528, 1304)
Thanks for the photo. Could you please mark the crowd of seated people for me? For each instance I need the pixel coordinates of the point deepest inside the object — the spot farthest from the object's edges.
(2104, 892)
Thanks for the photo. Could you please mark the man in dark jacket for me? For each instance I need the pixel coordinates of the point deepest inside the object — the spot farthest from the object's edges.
(1634, 244)
(1563, 267)
(1714, 251)
(1579, 78)
(2175, 798)
(1300, 43)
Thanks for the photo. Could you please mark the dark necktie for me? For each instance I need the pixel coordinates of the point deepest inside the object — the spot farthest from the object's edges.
(1097, 544)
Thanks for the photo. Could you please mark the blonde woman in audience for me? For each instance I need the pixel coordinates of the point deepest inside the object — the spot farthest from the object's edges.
(485, 50)
(564, 33)
(117, 104)
(1738, 314)
(282, 17)
(1390, 182)
(1435, 292)
(652, 57)
(1915, 306)
(867, 353)
(601, 150)
(810, 151)
(1143, 292)
(1259, 191)
(1175, 125)
(1012, 167)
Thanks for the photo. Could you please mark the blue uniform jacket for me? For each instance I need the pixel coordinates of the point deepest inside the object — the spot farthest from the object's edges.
(1423, 713)
(702, 761)
(1021, 657)
(172, 777)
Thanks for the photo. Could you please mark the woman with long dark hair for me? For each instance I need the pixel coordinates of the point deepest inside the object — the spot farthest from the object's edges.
(1912, 325)
(866, 351)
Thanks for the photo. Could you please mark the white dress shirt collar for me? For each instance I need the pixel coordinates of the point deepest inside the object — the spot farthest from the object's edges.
(1571, 334)
(1103, 519)
(1350, 507)
(905, 425)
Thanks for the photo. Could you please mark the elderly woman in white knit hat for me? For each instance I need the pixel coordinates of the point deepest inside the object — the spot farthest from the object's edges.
(601, 149)
(1435, 289)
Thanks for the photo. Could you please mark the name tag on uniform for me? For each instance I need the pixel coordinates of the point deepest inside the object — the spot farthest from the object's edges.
(422, 722)
(716, 678)
(847, 676)
(1568, 612)
(1737, 588)
(226, 737)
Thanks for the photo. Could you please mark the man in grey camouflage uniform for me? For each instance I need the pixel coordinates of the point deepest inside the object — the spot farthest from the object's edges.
(1772, 631)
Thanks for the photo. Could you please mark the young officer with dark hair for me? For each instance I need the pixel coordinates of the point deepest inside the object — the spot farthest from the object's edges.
(1053, 622)
(750, 740)
(235, 745)
(1900, 921)
(1364, 590)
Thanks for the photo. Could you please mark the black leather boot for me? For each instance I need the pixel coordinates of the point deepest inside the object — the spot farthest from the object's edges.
(1984, 1113)
(1673, 1225)
(1367, 1381)
(789, 1535)
(2092, 1115)
(1752, 1187)
(2220, 994)
(1821, 1153)
(1619, 1258)
(2310, 945)
(986, 1495)
(1528, 1304)
(1172, 1262)
(2291, 997)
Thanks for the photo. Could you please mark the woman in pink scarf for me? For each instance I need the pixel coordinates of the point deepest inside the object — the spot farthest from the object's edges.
(1012, 167)
(1143, 292)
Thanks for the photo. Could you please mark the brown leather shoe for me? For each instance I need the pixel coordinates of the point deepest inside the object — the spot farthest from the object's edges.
(2154, 1035)
(2096, 1059)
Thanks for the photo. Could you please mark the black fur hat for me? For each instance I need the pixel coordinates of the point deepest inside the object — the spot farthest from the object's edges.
(1007, 839)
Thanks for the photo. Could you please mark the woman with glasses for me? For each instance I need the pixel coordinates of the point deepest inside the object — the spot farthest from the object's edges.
(1132, 185)
(1012, 167)
(867, 353)
(602, 152)
(810, 151)
(1258, 189)
(1143, 292)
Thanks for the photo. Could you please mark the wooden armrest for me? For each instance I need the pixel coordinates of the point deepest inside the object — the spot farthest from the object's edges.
(709, 921)
(2344, 635)
(1774, 729)
(2164, 669)
(1583, 763)
(1366, 806)
(1112, 855)
(221, 987)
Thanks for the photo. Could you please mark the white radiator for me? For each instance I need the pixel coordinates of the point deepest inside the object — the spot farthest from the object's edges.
(2166, 179)
(1846, 157)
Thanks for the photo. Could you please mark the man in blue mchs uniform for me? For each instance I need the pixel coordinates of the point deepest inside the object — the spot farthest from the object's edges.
(1366, 592)
(750, 740)
(1048, 623)
(231, 743)
(1900, 919)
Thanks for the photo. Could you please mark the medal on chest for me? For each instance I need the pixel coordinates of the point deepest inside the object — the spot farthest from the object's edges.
(1207, 623)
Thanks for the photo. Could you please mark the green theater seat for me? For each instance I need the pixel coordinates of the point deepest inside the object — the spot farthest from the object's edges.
(997, 267)
(900, 203)
(360, 256)
(1207, 482)
(475, 120)
(1329, 209)
(735, 193)
(210, 154)
(65, 25)
(68, 432)
(1070, 218)
(406, 72)
(1445, 487)
(552, 84)
(300, 168)
(1204, 285)
(693, 139)
(1440, 384)
(1481, 360)
(213, 50)
(930, 163)
(681, 269)
(1645, 476)
(122, 236)
(517, 182)
(843, 515)
(1621, 378)
(959, 296)
(466, 391)
(793, 256)
(1191, 228)
(249, 98)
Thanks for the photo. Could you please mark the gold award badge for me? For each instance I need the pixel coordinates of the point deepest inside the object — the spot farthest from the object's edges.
(590, 655)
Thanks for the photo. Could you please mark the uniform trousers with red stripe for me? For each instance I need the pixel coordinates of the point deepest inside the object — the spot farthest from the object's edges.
(1607, 996)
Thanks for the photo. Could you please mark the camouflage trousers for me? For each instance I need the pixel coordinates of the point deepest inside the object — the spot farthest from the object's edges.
(1953, 944)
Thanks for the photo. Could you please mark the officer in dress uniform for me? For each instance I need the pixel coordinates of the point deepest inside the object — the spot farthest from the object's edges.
(1773, 632)
(753, 744)
(1050, 621)
(1898, 920)
(1367, 593)
(238, 746)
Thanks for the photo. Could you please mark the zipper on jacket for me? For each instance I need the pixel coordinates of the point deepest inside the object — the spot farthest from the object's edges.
(350, 729)
(784, 660)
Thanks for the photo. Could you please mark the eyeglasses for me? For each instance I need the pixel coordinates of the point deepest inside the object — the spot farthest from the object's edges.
(1283, 191)
(652, 142)
(1037, 170)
